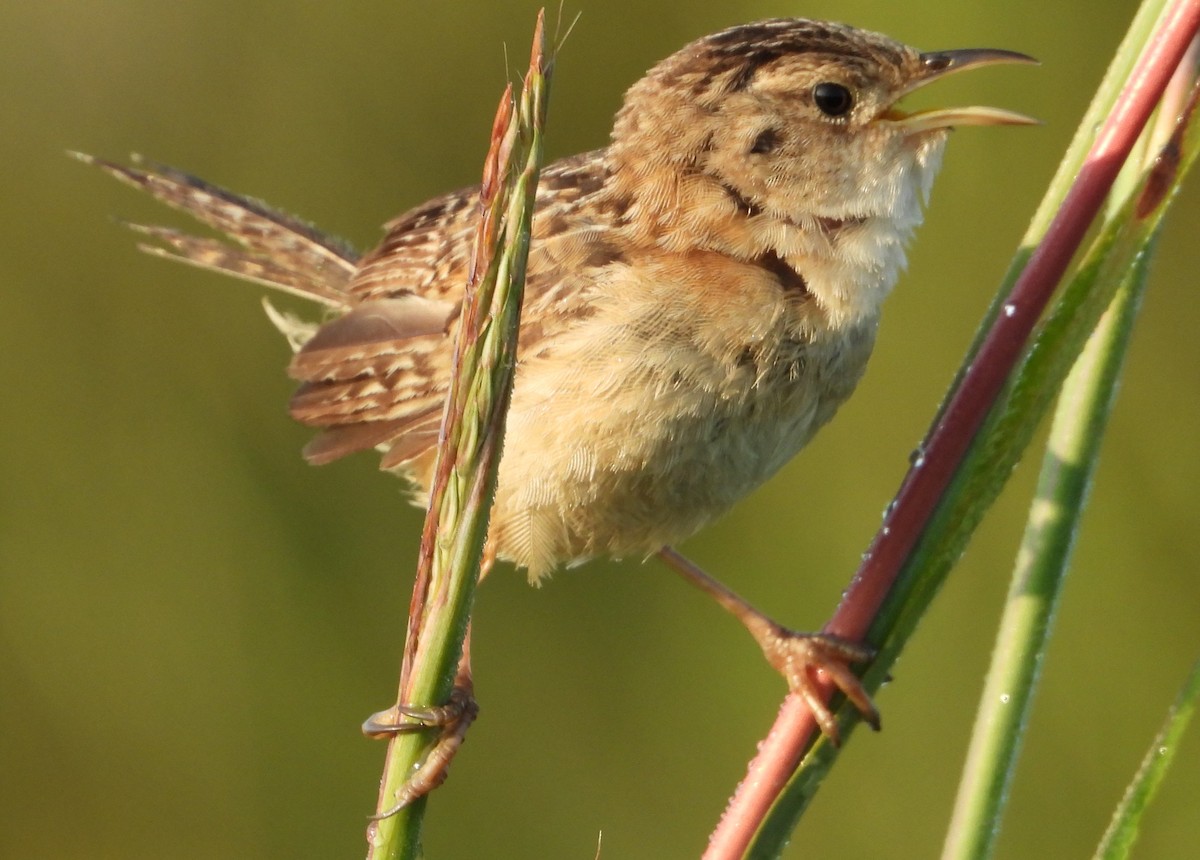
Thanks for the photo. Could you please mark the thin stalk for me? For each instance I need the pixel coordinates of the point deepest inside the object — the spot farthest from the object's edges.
(1118, 839)
(1068, 467)
(1042, 561)
(470, 442)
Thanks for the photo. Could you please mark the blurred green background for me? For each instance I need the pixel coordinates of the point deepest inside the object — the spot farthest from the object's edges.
(193, 622)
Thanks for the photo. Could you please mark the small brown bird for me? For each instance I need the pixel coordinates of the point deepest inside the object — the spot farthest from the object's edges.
(702, 294)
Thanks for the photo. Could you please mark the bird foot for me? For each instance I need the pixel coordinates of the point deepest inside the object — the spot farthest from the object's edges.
(801, 657)
(453, 718)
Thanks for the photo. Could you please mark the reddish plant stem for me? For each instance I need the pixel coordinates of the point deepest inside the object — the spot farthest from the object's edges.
(948, 441)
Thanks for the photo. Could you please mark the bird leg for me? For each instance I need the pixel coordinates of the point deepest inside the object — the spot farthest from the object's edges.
(453, 718)
(797, 656)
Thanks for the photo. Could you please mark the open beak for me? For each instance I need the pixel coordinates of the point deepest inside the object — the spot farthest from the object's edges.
(938, 64)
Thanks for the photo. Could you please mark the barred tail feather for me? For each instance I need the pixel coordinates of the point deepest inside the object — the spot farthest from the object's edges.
(276, 249)
(372, 377)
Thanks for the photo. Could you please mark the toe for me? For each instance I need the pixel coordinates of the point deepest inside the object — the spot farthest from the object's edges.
(402, 718)
(801, 656)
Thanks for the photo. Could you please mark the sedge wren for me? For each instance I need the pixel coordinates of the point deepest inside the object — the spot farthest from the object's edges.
(702, 294)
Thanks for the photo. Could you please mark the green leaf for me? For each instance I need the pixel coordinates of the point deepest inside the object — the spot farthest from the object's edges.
(1123, 829)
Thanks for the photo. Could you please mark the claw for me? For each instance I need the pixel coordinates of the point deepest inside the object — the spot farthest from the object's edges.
(401, 719)
(800, 656)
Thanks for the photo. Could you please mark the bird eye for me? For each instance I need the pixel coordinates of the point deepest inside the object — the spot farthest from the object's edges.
(832, 99)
